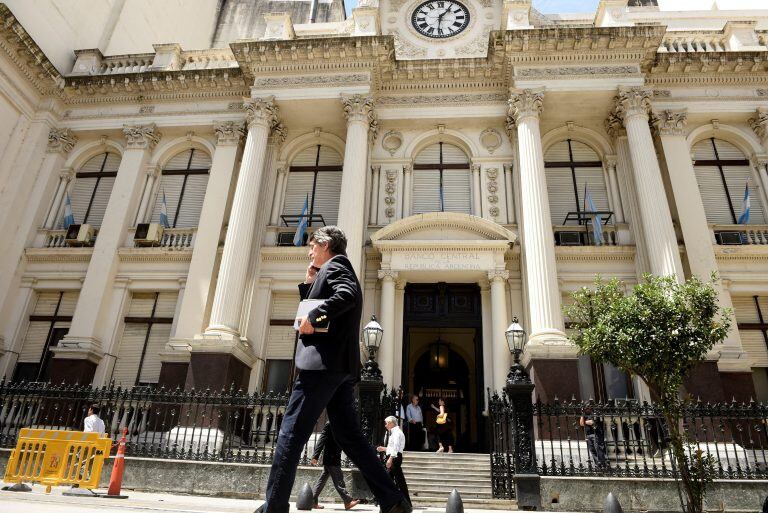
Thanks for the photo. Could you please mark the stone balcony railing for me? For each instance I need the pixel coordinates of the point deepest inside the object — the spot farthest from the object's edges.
(56, 239)
(693, 43)
(172, 238)
(583, 236)
(166, 58)
(740, 234)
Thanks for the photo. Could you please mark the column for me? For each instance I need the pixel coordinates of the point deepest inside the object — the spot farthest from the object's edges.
(261, 115)
(398, 334)
(509, 194)
(500, 350)
(374, 205)
(65, 176)
(538, 240)
(632, 106)
(277, 202)
(151, 172)
(82, 344)
(386, 356)
(477, 206)
(693, 223)
(407, 190)
(487, 336)
(358, 110)
(610, 164)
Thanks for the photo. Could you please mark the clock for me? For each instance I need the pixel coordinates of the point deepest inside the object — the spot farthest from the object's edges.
(440, 18)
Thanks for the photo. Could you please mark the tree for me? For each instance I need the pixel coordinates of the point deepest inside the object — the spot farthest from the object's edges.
(659, 332)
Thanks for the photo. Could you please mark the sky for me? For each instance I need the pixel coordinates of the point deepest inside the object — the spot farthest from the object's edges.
(544, 6)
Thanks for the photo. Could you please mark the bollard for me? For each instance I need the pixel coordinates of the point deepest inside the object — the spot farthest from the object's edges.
(116, 479)
(18, 487)
(612, 504)
(455, 504)
(765, 505)
(306, 498)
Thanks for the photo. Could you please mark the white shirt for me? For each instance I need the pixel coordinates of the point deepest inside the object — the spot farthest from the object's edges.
(396, 442)
(414, 413)
(93, 424)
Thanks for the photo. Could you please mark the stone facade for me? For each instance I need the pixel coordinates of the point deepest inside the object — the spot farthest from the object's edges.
(464, 160)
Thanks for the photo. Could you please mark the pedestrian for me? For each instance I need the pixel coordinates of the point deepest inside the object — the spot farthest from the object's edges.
(443, 427)
(328, 364)
(394, 452)
(593, 428)
(415, 418)
(93, 423)
(330, 452)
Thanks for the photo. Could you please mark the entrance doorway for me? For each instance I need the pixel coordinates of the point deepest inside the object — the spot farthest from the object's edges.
(443, 357)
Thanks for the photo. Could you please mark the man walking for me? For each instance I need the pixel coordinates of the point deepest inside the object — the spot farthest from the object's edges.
(327, 449)
(329, 366)
(394, 451)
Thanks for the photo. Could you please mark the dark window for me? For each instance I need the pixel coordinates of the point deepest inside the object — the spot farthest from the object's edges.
(278, 376)
(38, 371)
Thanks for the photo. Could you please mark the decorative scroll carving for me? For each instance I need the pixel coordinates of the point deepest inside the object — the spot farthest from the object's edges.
(392, 141)
(312, 80)
(670, 122)
(279, 133)
(525, 103)
(490, 139)
(261, 111)
(614, 125)
(360, 108)
(390, 188)
(61, 140)
(498, 275)
(141, 136)
(229, 132)
(575, 70)
(759, 123)
(492, 185)
(633, 101)
(388, 274)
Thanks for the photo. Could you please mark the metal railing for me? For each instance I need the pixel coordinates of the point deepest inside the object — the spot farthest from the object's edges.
(229, 425)
(583, 236)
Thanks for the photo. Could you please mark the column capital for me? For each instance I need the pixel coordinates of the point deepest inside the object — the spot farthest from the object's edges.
(279, 133)
(759, 160)
(407, 168)
(141, 136)
(614, 125)
(524, 103)
(611, 161)
(360, 108)
(475, 168)
(670, 122)
(633, 101)
(759, 124)
(61, 140)
(66, 173)
(229, 133)
(261, 112)
(152, 170)
(388, 275)
(498, 276)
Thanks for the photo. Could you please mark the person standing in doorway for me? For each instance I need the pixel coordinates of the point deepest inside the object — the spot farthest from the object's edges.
(394, 452)
(328, 363)
(330, 452)
(415, 418)
(442, 427)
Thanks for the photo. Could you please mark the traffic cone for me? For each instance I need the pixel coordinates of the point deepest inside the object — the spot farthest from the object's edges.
(116, 479)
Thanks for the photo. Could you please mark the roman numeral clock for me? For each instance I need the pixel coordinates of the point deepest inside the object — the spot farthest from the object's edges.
(440, 19)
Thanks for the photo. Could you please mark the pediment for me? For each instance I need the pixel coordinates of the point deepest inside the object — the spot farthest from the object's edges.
(443, 226)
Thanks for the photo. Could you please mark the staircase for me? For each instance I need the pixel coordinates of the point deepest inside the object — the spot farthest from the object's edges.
(432, 476)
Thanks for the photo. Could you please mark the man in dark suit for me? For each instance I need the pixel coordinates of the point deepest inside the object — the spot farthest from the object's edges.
(329, 366)
(330, 452)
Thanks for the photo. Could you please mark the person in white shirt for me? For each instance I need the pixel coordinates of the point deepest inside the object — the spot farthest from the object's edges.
(394, 450)
(92, 423)
(415, 418)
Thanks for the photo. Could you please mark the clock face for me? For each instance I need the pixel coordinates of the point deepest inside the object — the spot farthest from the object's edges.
(440, 18)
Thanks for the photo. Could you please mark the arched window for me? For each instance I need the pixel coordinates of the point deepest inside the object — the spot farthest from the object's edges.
(722, 172)
(183, 182)
(441, 180)
(91, 189)
(572, 169)
(314, 174)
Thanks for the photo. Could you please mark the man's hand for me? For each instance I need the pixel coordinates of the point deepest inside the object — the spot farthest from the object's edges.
(311, 274)
(305, 327)
(314, 461)
(412, 421)
(389, 462)
(381, 449)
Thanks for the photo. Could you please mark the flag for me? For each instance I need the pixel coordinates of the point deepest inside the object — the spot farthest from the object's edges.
(164, 213)
(745, 206)
(301, 228)
(69, 218)
(597, 221)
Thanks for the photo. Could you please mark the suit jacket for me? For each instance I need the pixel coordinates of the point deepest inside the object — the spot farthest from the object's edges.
(327, 447)
(338, 350)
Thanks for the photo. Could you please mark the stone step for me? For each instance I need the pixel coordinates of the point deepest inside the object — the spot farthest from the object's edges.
(455, 455)
(469, 503)
(448, 480)
(465, 494)
(441, 469)
(420, 473)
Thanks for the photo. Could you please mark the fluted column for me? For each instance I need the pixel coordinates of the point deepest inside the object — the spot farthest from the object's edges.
(65, 176)
(632, 106)
(477, 207)
(358, 110)
(261, 115)
(152, 172)
(277, 202)
(500, 351)
(386, 355)
(373, 217)
(407, 189)
(618, 211)
(538, 240)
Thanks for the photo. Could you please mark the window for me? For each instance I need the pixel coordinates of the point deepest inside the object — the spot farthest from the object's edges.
(48, 324)
(441, 180)
(278, 376)
(572, 168)
(183, 182)
(722, 172)
(91, 189)
(314, 175)
(147, 329)
(752, 319)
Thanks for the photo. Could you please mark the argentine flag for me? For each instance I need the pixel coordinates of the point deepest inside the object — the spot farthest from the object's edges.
(597, 221)
(69, 218)
(745, 206)
(301, 228)
(164, 213)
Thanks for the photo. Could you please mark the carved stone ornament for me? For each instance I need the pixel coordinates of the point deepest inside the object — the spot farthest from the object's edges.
(392, 141)
(498, 275)
(614, 125)
(261, 112)
(388, 274)
(229, 132)
(759, 123)
(279, 133)
(66, 174)
(141, 136)
(633, 101)
(358, 108)
(670, 122)
(490, 139)
(525, 103)
(61, 140)
(390, 188)
(492, 186)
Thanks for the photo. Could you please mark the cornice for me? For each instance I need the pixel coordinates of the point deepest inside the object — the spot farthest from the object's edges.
(747, 253)
(595, 254)
(160, 255)
(58, 255)
(284, 254)
(709, 68)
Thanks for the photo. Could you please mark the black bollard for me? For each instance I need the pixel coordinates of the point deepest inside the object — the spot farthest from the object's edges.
(455, 504)
(18, 487)
(765, 505)
(306, 498)
(612, 504)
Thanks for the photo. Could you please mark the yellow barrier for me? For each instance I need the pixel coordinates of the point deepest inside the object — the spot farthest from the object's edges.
(54, 458)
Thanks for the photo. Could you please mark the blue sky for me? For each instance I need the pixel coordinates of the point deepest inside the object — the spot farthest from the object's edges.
(545, 6)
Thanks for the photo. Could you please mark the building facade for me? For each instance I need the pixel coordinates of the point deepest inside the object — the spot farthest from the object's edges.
(485, 161)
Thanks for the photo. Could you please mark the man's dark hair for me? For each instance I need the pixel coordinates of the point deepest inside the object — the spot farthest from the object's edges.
(95, 408)
(333, 236)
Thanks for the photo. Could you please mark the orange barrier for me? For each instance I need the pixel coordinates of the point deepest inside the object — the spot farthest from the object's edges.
(116, 479)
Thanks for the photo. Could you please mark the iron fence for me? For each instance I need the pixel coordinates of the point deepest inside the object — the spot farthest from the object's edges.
(227, 426)
(629, 439)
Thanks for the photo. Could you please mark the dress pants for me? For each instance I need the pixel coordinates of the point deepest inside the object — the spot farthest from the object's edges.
(337, 476)
(312, 392)
(396, 472)
(415, 436)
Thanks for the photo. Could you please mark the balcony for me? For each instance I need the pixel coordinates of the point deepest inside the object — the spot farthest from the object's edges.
(576, 230)
(58, 239)
(171, 238)
(740, 234)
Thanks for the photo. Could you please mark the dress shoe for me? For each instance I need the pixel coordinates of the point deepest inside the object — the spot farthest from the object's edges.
(351, 504)
(319, 506)
(400, 507)
(260, 509)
